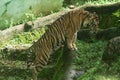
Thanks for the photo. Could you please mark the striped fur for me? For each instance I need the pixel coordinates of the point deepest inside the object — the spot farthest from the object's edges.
(63, 29)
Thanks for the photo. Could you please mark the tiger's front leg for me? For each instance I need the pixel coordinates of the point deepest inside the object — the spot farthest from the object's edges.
(74, 39)
(74, 46)
(71, 42)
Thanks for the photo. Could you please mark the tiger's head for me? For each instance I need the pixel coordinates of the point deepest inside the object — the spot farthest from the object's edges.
(91, 20)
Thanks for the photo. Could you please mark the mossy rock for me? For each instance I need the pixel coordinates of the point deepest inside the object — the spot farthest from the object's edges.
(112, 50)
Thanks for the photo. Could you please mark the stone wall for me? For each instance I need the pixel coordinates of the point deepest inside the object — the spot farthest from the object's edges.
(12, 10)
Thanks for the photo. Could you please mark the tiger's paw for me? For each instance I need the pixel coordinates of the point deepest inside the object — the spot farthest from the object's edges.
(72, 46)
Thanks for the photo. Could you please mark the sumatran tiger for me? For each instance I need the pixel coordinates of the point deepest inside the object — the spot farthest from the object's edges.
(61, 30)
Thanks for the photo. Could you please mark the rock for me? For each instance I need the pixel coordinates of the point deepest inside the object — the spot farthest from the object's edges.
(112, 50)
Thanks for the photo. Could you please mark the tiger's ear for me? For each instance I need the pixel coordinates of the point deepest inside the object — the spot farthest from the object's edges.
(92, 14)
(85, 13)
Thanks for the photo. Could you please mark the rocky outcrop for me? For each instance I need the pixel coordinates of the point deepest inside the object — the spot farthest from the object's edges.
(112, 50)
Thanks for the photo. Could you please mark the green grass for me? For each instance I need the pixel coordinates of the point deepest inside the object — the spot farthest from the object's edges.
(90, 60)
(102, 77)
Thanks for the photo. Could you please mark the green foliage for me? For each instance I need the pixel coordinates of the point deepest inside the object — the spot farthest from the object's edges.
(117, 14)
(29, 16)
(25, 37)
(101, 1)
(89, 61)
(81, 2)
(89, 57)
(6, 23)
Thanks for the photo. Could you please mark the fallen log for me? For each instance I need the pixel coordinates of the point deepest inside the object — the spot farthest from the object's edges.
(41, 22)
(103, 9)
(103, 34)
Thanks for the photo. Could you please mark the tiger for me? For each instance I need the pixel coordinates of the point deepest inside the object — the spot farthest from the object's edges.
(61, 31)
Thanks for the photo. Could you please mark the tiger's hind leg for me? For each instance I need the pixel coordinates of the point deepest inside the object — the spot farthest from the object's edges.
(35, 74)
(41, 60)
